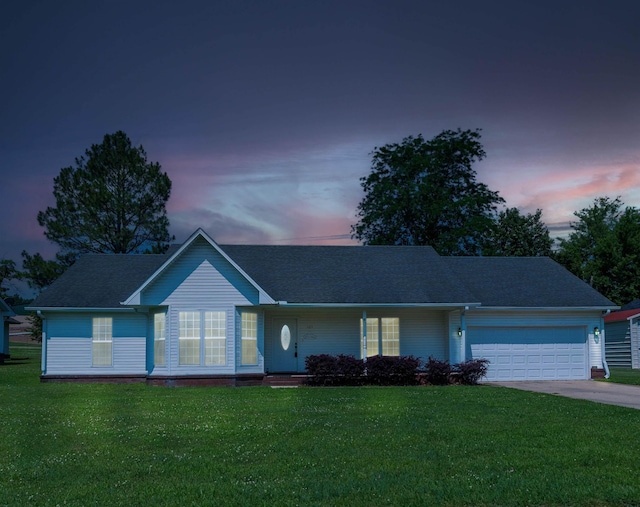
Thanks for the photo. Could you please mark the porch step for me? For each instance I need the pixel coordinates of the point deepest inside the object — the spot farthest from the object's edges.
(284, 380)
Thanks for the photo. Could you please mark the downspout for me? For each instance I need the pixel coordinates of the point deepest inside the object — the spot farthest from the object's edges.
(607, 374)
(463, 335)
(364, 336)
(43, 364)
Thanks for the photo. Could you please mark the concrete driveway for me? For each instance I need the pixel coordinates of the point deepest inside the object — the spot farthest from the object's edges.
(600, 392)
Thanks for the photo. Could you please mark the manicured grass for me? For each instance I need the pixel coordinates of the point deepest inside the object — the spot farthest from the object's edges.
(81, 444)
(624, 376)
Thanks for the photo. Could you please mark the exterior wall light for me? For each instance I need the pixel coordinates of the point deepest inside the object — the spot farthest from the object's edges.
(459, 332)
(596, 331)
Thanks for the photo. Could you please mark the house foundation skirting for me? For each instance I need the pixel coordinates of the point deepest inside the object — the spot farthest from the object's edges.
(239, 380)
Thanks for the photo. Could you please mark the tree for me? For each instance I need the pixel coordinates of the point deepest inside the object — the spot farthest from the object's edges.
(40, 273)
(604, 249)
(514, 234)
(112, 201)
(8, 272)
(425, 193)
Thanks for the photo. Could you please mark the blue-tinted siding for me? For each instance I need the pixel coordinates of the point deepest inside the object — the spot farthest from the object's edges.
(423, 332)
(200, 271)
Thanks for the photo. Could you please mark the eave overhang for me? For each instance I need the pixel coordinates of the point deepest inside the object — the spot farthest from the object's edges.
(378, 305)
(82, 309)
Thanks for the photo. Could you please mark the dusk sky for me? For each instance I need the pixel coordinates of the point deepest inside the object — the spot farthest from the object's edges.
(264, 114)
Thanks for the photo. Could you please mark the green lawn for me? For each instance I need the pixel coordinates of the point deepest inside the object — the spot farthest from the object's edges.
(79, 444)
(624, 376)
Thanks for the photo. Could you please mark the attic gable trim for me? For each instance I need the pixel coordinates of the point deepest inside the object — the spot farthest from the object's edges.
(134, 299)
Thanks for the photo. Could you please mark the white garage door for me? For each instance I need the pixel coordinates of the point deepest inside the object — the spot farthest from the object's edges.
(540, 353)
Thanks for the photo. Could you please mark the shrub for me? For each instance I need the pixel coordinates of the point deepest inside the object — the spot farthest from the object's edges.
(389, 370)
(437, 372)
(328, 370)
(321, 369)
(350, 370)
(471, 371)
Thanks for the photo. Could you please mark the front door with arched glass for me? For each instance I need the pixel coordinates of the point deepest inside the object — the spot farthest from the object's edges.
(285, 346)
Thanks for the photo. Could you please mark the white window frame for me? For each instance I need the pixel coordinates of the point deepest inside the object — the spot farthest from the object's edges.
(102, 342)
(202, 338)
(249, 339)
(383, 336)
(159, 339)
(189, 327)
(215, 338)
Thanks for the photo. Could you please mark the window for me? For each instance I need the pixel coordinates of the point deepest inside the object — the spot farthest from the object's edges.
(189, 338)
(102, 340)
(215, 338)
(249, 338)
(159, 339)
(372, 338)
(203, 335)
(390, 336)
(382, 335)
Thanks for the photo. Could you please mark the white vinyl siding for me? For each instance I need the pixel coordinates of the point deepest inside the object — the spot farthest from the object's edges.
(159, 339)
(382, 335)
(249, 338)
(189, 338)
(102, 337)
(215, 338)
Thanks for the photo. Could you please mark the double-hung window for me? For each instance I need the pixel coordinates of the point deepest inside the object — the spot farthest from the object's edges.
(202, 338)
(249, 338)
(383, 336)
(102, 336)
(159, 339)
(215, 338)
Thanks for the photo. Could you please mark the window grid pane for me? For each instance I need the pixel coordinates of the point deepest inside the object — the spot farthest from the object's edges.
(159, 339)
(102, 341)
(215, 344)
(189, 338)
(391, 336)
(249, 338)
(372, 338)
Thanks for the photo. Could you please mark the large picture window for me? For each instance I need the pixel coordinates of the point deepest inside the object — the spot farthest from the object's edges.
(383, 336)
(202, 335)
(159, 339)
(102, 336)
(249, 338)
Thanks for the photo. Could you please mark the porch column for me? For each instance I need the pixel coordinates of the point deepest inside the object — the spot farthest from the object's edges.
(364, 336)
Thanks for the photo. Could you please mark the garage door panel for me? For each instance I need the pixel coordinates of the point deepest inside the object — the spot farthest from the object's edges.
(530, 353)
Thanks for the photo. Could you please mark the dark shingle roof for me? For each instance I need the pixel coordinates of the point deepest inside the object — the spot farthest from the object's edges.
(345, 275)
(350, 274)
(100, 281)
(524, 282)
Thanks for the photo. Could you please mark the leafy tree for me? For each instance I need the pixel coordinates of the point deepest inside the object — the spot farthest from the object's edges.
(40, 273)
(8, 272)
(112, 201)
(604, 249)
(424, 192)
(514, 234)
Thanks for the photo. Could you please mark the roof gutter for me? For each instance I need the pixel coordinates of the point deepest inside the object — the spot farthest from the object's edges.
(551, 308)
(77, 310)
(377, 305)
